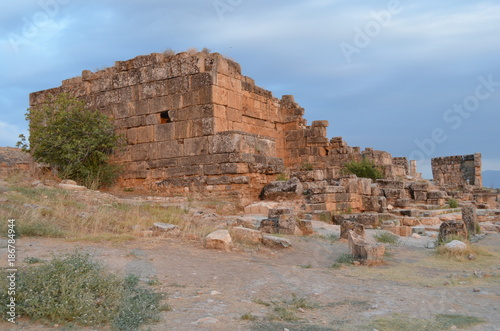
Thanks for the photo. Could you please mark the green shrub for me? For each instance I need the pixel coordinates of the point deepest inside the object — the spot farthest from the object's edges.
(74, 289)
(307, 167)
(364, 169)
(282, 177)
(386, 237)
(453, 203)
(73, 139)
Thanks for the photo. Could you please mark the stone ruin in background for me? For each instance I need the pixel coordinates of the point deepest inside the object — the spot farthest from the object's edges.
(195, 124)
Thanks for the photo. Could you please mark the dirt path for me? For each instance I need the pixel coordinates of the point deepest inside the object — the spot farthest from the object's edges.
(212, 290)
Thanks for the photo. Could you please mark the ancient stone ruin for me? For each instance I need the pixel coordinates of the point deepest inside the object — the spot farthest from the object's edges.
(458, 170)
(195, 125)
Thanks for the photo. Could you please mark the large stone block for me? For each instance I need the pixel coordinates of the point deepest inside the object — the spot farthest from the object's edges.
(165, 132)
(220, 239)
(290, 189)
(452, 228)
(368, 253)
(169, 149)
(367, 219)
(196, 146)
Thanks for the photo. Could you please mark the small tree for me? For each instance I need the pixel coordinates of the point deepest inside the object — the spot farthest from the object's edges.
(76, 140)
(364, 168)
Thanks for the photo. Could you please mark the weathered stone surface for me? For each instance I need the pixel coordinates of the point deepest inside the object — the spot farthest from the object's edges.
(469, 216)
(456, 246)
(220, 239)
(458, 170)
(367, 219)
(276, 241)
(269, 225)
(305, 227)
(437, 195)
(290, 189)
(368, 253)
(260, 208)
(71, 187)
(165, 229)
(346, 226)
(244, 234)
(452, 228)
(419, 230)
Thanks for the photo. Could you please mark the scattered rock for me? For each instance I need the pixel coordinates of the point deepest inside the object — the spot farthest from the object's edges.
(416, 236)
(220, 239)
(72, 187)
(69, 182)
(165, 229)
(215, 293)
(430, 245)
(456, 246)
(276, 241)
(206, 320)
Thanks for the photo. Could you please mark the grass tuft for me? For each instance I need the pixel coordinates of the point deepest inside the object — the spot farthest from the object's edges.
(396, 322)
(387, 238)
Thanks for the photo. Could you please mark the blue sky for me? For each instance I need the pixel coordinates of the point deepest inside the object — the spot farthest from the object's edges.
(415, 78)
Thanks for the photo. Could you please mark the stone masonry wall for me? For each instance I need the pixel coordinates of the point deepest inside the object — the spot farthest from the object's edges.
(194, 123)
(457, 170)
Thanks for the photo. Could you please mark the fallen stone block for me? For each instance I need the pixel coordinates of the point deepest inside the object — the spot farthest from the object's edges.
(220, 239)
(347, 226)
(367, 219)
(244, 234)
(305, 227)
(165, 229)
(260, 208)
(368, 253)
(452, 228)
(276, 241)
(418, 230)
(290, 189)
(72, 187)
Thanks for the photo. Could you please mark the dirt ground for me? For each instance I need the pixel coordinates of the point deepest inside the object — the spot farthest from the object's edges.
(212, 290)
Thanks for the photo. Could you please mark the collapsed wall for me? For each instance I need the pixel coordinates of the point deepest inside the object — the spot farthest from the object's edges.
(194, 123)
(458, 170)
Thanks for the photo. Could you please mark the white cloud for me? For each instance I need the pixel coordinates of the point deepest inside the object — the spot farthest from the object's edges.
(9, 134)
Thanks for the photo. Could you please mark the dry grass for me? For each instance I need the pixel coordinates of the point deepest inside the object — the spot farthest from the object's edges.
(425, 267)
(53, 212)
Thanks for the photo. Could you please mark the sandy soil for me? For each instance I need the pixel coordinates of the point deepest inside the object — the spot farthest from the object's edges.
(211, 290)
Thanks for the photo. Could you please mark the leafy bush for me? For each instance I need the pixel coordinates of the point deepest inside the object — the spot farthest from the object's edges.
(364, 169)
(74, 289)
(74, 139)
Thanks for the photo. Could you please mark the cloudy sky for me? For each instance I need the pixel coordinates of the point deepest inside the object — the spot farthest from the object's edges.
(415, 78)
